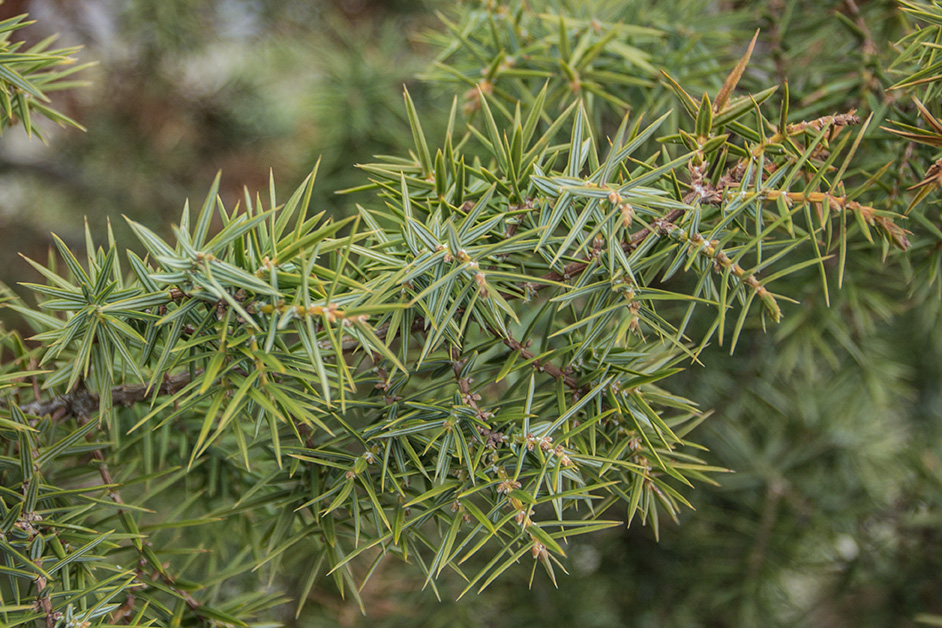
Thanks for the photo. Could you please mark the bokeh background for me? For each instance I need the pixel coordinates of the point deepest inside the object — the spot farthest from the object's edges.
(832, 426)
(182, 89)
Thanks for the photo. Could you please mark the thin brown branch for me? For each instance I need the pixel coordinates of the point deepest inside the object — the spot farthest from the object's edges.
(837, 120)
(83, 402)
(125, 610)
(542, 366)
(867, 213)
(44, 603)
(128, 395)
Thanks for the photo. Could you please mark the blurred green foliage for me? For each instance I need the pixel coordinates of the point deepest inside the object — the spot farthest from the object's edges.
(832, 423)
(183, 89)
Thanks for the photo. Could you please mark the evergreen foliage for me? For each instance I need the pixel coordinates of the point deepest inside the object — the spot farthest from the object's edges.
(479, 363)
(27, 76)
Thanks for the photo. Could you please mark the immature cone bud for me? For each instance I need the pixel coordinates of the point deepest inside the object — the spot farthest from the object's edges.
(627, 214)
(481, 281)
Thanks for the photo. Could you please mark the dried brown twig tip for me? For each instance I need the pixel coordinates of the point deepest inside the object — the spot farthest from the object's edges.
(930, 119)
(933, 176)
(930, 137)
(931, 181)
(733, 79)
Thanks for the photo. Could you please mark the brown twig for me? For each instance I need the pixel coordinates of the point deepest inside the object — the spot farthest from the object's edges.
(128, 394)
(119, 614)
(81, 402)
(837, 120)
(45, 602)
(867, 213)
(545, 367)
